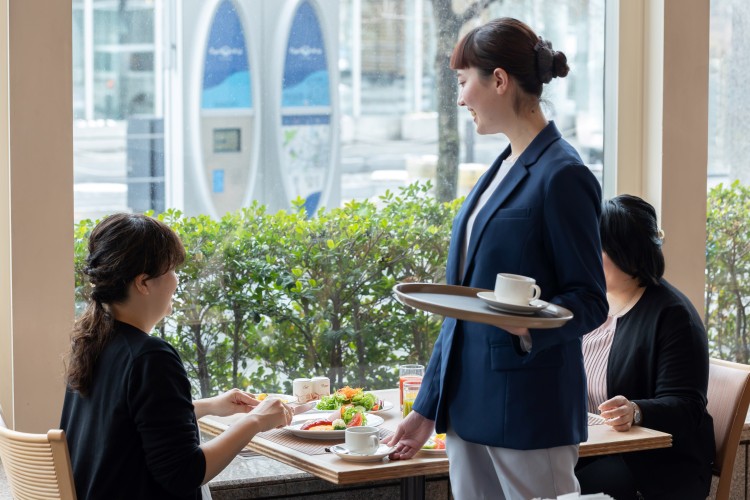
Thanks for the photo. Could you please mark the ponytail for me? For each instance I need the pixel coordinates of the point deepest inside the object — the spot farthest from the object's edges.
(90, 334)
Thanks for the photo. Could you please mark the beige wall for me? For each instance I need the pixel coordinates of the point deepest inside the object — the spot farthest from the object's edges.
(36, 224)
(662, 141)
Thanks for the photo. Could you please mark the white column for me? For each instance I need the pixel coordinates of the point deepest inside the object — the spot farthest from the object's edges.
(662, 126)
(36, 220)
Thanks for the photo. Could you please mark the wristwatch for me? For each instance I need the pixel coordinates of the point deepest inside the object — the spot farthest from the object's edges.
(636, 414)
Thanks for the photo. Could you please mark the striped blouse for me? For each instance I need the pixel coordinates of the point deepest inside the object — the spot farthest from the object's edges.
(596, 347)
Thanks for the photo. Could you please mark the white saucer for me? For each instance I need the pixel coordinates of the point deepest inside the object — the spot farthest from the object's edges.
(490, 299)
(343, 452)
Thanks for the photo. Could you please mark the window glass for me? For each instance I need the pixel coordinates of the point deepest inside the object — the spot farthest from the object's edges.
(220, 104)
(727, 261)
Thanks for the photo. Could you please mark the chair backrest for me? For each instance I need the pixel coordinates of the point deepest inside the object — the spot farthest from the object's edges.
(37, 465)
(728, 400)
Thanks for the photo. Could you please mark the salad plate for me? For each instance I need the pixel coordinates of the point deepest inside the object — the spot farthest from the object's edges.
(350, 396)
(387, 405)
(372, 420)
(490, 299)
(343, 452)
(430, 448)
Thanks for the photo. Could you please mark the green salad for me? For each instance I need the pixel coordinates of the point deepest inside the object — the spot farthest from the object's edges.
(347, 396)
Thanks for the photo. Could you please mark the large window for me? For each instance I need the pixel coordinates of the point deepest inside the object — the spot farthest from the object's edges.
(210, 106)
(143, 67)
(728, 258)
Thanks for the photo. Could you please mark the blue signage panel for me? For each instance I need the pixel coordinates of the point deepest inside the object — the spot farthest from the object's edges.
(226, 72)
(306, 115)
(305, 70)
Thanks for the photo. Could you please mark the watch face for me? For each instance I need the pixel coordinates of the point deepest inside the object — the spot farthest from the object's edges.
(636, 414)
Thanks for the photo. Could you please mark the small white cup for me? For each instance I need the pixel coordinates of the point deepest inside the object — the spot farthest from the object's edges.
(321, 386)
(362, 440)
(302, 389)
(516, 289)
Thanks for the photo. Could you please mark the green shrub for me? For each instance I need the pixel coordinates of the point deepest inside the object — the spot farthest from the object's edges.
(264, 298)
(728, 271)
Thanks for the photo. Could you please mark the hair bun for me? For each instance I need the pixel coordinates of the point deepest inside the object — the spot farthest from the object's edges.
(550, 63)
(560, 67)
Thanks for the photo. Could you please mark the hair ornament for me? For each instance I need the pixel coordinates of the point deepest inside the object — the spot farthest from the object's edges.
(660, 234)
(545, 60)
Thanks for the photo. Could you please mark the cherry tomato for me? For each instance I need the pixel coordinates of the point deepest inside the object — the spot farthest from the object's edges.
(355, 421)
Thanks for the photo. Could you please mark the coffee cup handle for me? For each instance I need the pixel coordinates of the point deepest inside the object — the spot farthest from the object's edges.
(536, 292)
(375, 443)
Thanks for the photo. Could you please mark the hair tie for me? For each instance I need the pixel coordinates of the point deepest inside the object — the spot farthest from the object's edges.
(660, 234)
(545, 60)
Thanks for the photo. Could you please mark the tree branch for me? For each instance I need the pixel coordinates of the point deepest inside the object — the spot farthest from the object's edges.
(474, 9)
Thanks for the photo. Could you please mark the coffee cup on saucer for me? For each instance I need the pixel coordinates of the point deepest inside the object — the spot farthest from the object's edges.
(516, 289)
(363, 440)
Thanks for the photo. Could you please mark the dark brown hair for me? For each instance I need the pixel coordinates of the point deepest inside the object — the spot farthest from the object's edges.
(632, 239)
(510, 44)
(121, 247)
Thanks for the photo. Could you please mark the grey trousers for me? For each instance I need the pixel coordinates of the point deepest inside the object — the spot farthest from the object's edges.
(487, 472)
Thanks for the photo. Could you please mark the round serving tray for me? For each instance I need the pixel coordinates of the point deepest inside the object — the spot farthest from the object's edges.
(461, 302)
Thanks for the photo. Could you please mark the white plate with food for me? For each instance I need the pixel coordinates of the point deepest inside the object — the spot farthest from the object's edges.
(435, 446)
(324, 430)
(343, 452)
(352, 396)
(533, 306)
(387, 405)
(285, 398)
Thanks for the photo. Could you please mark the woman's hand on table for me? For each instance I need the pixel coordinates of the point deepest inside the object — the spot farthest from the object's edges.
(271, 413)
(618, 413)
(411, 434)
(231, 402)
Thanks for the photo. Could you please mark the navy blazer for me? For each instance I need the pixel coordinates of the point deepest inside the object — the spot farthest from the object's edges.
(543, 222)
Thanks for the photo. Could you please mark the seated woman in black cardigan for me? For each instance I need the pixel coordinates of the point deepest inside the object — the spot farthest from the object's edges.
(647, 365)
(128, 415)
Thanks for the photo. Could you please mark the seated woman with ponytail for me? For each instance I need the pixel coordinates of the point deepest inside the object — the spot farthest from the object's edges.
(128, 415)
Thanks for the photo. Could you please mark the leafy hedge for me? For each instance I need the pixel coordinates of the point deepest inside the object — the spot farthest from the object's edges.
(264, 298)
(728, 271)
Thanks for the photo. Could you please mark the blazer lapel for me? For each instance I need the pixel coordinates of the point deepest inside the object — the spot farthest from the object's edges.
(506, 187)
(517, 173)
(458, 231)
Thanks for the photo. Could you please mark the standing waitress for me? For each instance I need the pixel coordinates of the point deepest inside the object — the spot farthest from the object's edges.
(513, 401)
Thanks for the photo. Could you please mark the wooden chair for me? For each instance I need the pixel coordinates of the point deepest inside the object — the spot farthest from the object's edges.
(728, 400)
(37, 465)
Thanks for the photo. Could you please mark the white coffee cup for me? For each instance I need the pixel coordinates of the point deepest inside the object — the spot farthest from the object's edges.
(362, 440)
(516, 289)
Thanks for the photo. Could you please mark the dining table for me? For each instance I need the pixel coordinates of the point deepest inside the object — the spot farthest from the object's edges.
(315, 457)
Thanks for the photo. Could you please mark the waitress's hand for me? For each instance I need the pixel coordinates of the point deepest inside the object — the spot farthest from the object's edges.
(618, 413)
(412, 433)
(523, 334)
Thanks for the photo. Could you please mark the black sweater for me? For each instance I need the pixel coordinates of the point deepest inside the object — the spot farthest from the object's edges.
(135, 435)
(659, 359)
